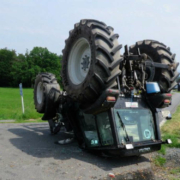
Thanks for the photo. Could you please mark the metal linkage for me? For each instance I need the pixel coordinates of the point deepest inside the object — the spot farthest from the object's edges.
(159, 65)
(134, 70)
(131, 65)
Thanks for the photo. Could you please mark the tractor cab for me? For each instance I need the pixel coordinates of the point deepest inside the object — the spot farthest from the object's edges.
(129, 128)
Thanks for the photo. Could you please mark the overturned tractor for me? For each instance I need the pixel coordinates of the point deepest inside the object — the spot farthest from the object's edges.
(109, 100)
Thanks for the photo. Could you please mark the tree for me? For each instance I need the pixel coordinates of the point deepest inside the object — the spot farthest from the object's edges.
(6, 59)
(42, 60)
(15, 69)
(19, 71)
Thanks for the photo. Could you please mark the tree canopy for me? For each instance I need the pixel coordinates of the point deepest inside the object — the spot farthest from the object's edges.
(23, 68)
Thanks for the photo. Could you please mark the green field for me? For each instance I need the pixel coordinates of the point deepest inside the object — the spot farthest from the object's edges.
(171, 130)
(162, 164)
(11, 107)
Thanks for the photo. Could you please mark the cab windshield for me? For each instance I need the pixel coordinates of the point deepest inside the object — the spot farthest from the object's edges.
(134, 125)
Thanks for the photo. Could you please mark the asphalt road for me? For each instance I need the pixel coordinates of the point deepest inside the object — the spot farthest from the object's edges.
(27, 151)
(175, 103)
(172, 108)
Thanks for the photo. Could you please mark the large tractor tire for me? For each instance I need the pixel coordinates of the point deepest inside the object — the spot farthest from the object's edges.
(160, 53)
(91, 59)
(43, 84)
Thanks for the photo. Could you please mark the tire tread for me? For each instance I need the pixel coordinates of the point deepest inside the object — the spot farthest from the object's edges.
(163, 54)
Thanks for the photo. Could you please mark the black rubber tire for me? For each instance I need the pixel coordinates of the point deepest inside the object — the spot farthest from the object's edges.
(48, 81)
(158, 52)
(105, 60)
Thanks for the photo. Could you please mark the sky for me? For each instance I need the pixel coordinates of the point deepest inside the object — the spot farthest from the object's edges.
(25, 24)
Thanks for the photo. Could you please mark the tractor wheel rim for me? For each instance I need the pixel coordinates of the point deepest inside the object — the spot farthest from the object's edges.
(79, 61)
(39, 92)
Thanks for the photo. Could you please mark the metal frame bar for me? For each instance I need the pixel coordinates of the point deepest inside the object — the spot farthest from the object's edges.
(97, 128)
(113, 127)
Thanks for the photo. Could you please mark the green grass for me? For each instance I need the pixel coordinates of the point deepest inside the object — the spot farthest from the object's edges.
(171, 130)
(159, 161)
(163, 150)
(175, 171)
(11, 107)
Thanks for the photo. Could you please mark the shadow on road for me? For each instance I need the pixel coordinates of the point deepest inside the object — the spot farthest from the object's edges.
(35, 140)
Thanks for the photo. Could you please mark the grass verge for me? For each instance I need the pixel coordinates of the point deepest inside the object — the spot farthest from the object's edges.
(171, 130)
(11, 107)
(168, 165)
(159, 161)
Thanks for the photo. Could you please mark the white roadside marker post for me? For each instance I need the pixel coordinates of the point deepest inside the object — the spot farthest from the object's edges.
(21, 93)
